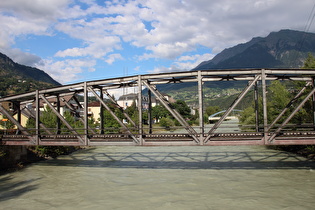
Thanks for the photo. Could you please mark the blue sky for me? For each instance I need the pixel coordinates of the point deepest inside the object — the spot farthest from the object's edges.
(82, 40)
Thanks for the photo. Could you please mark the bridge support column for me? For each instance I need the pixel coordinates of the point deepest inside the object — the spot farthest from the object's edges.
(37, 117)
(150, 111)
(256, 106)
(140, 110)
(264, 98)
(101, 112)
(313, 100)
(200, 97)
(86, 109)
(58, 110)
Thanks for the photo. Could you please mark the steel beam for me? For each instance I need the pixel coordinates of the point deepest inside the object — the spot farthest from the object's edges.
(150, 111)
(201, 114)
(140, 127)
(86, 110)
(264, 99)
(256, 97)
(37, 118)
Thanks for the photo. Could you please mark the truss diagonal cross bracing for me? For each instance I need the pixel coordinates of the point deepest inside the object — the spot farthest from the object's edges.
(22, 115)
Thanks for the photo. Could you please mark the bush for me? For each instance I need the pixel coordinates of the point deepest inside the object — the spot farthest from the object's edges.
(167, 123)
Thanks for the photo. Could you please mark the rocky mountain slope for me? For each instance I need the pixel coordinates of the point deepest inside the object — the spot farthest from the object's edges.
(16, 78)
(283, 49)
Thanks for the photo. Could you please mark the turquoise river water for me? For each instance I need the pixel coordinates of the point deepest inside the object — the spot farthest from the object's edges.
(238, 177)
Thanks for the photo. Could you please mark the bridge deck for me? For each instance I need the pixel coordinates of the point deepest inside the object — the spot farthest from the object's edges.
(244, 138)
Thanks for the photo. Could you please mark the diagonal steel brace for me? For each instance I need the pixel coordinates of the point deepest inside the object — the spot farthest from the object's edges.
(62, 118)
(18, 125)
(80, 118)
(234, 104)
(121, 109)
(175, 114)
(291, 115)
(30, 114)
(288, 106)
(113, 114)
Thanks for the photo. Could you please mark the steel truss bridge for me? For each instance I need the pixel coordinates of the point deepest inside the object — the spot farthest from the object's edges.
(267, 132)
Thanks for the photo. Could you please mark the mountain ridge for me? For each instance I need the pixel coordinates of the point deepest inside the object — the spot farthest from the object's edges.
(283, 49)
(17, 78)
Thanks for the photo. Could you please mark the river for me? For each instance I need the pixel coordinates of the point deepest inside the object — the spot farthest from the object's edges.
(238, 177)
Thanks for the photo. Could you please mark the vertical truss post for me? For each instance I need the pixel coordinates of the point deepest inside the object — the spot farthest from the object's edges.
(86, 109)
(140, 109)
(58, 110)
(264, 98)
(200, 97)
(37, 117)
(150, 111)
(256, 106)
(230, 109)
(313, 100)
(17, 106)
(101, 112)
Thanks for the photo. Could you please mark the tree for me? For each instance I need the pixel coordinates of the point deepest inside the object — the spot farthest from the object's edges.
(309, 62)
(212, 110)
(159, 111)
(279, 97)
(182, 108)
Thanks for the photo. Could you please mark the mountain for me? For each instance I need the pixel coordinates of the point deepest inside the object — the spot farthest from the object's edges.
(16, 78)
(283, 49)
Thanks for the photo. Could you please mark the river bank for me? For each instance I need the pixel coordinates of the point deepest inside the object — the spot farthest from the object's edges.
(13, 158)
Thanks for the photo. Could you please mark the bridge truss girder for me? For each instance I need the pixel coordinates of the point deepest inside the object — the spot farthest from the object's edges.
(270, 134)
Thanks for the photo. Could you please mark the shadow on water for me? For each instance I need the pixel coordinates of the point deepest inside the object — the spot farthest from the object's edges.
(9, 189)
(186, 160)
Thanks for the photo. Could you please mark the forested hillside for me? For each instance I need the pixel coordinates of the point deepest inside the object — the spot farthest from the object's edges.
(16, 78)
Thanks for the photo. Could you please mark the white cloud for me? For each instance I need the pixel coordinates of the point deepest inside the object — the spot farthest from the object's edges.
(67, 70)
(184, 63)
(21, 57)
(112, 58)
(161, 29)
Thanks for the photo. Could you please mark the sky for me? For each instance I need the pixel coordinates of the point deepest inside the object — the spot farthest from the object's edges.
(83, 40)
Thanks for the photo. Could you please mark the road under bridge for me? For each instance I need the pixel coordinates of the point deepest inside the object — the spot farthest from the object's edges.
(266, 131)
